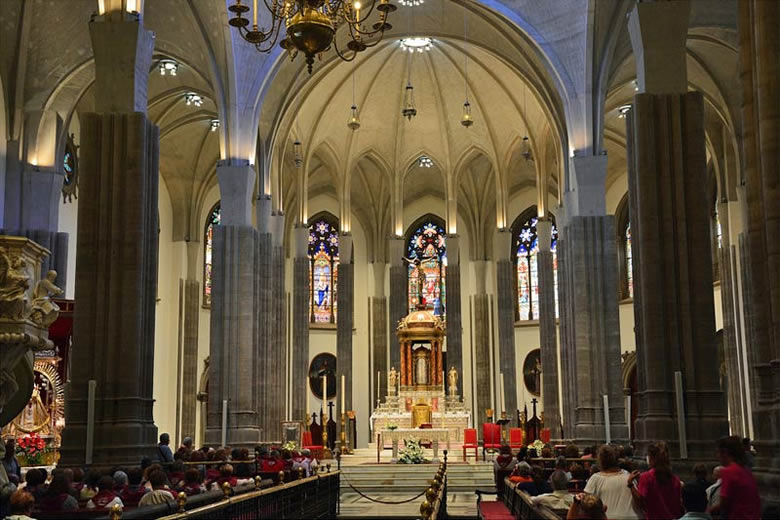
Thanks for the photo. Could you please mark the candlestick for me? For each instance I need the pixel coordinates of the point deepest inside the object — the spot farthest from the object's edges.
(254, 13)
(324, 390)
(343, 394)
(378, 380)
(306, 398)
(503, 397)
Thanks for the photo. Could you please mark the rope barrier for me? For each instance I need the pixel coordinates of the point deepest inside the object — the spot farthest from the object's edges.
(376, 500)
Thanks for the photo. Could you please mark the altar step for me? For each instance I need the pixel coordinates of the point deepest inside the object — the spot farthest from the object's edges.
(414, 478)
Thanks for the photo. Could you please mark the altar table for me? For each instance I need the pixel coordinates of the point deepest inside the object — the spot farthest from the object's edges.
(430, 434)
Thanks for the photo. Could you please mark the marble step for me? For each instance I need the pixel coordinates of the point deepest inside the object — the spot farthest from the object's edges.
(414, 478)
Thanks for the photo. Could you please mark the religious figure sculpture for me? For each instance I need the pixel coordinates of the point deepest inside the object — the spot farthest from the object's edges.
(44, 310)
(417, 262)
(421, 371)
(452, 379)
(34, 416)
(392, 381)
(14, 281)
(537, 371)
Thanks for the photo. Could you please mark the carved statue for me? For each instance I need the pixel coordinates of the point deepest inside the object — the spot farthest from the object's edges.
(417, 262)
(14, 281)
(35, 417)
(392, 381)
(44, 310)
(452, 380)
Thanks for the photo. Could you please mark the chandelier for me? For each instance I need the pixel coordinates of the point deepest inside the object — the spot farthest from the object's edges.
(424, 162)
(411, 3)
(416, 44)
(311, 26)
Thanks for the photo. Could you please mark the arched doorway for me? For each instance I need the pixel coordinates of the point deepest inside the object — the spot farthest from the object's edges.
(630, 390)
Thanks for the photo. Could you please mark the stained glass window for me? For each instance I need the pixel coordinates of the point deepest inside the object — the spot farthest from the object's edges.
(426, 251)
(526, 246)
(208, 241)
(70, 166)
(323, 268)
(629, 262)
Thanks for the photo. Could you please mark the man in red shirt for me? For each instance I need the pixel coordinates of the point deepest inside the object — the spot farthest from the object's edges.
(738, 491)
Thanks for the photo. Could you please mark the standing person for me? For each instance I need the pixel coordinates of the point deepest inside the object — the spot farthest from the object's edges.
(749, 458)
(695, 502)
(609, 485)
(10, 463)
(738, 490)
(713, 492)
(659, 490)
(163, 448)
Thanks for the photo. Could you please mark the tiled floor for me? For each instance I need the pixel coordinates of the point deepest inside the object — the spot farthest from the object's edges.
(459, 505)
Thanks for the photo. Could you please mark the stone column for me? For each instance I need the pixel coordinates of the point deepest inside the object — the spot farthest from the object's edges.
(590, 351)
(379, 331)
(759, 49)
(191, 310)
(399, 299)
(300, 320)
(345, 296)
(117, 256)
(233, 350)
(482, 371)
(453, 311)
(673, 299)
(548, 331)
(568, 369)
(506, 296)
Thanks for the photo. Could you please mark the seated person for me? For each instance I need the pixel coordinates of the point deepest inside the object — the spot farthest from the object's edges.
(561, 464)
(287, 459)
(541, 485)
(57, 497)
(504, 461)
(579, 477)
(148, 472)
(21, 505)
(134, 491)
(700, 473)
(310, 459)
(176, 474)
(299, 461)
(120, 482)
(521, 476)
(587, 507)
(225, 475)
(78, 482)
(105, 497)
(35, 483)
(272, 463)
(159, 493)
(559, 498)
(193, 483)
(694, 498)
(90, 487)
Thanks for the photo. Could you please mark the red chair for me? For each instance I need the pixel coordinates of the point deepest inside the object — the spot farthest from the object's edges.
(316, 451)
(491, 437)
(515, 438)
(470, 442)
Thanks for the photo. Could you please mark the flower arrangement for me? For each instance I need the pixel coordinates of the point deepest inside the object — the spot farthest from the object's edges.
(290, 446)
(32, 446)
(537, 445)
(412, 452)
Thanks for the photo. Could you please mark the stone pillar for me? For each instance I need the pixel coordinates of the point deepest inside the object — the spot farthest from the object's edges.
(379, 331)
(548, 331)
(673, 299)
(590, 350)
(189, 383)
(732, 373)
(345, 296)
(506, 295)
(454, 315)
(568, 369)
(233, 350)
(399, 299)
(482, 371)
(759, 49)
(300, 321)
(116, 277)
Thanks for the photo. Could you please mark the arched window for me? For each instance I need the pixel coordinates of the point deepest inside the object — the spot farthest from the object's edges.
(716, 234)
(208, 244)
(323, 268)
(70, 165)
(525, 247)
(427, 254)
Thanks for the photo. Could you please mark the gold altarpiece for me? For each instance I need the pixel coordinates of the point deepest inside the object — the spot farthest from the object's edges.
(416, 392)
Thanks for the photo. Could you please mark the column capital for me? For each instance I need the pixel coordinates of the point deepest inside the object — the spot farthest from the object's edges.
(122, 49)
(658, 31)
(395, 247)
(345, 248)
(453, 249)
(588, 198)
(236, 185)
(379, 269)
(502, 245)
(544, 234)
(301, 240)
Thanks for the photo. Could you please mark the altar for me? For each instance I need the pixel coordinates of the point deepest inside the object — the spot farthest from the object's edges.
(416, 394)
(435, 435)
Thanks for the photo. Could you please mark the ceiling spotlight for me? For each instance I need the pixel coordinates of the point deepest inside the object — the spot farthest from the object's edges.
(418, 44)
(411, 3)
(193, 99)
(168, 66)
(623, 110)
(636, 85)
(214, 125)
(425, 162)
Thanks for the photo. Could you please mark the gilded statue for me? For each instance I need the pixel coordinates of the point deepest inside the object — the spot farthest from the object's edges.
(34, 417)
(44, 310)
(392, 380)
(14, 283)
(452, 380)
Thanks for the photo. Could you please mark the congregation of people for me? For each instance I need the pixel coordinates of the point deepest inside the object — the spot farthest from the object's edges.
(188, 470)
(607, 483)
